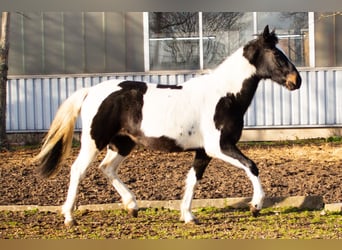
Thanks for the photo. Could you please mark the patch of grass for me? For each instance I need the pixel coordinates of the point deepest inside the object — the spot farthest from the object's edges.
(31, 211)
(159, 223)
(320, 140)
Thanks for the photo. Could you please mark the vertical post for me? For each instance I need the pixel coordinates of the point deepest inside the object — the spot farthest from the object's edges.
(255, 23)
(146, 43)
(311, 21)
(200, 27)
(4, 48)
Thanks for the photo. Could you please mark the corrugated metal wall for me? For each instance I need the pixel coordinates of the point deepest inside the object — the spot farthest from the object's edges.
(33, 101)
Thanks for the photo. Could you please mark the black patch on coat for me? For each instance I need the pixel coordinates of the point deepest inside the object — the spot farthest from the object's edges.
(230, 109)
(165, 86)
(122, 144)
(119, 114)
(201, 162)
(161, 143)
(232, 151)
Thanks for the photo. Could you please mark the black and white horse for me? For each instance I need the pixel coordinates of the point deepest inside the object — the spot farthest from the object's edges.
(204, 114)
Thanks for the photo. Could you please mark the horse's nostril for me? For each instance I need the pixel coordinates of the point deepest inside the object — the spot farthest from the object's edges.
(293, 81)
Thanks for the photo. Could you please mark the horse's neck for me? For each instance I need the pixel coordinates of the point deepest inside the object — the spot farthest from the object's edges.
(237, 76)
(232, 72)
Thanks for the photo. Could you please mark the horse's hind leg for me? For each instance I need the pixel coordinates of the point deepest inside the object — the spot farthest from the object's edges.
(109, 167)
(87, 154)
(195, 174)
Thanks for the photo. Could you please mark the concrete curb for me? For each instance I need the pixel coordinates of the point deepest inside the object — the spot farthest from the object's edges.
(334, 207)
(302, 202)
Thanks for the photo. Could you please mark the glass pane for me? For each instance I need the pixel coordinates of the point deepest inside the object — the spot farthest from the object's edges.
(328, 39)
(292, 30)
(223, 33)
(174, 54)
(174, 41)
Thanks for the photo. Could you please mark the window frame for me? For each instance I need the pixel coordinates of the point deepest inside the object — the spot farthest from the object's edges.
(311, 29)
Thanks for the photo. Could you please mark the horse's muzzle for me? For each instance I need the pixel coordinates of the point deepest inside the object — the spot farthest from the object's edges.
(293, 81)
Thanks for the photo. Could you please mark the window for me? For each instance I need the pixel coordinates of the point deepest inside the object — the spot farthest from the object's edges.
(292, 30)
(196, 40)
(174, 40)
(223, 33)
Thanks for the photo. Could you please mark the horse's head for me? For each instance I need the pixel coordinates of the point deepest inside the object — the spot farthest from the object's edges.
(270, 61)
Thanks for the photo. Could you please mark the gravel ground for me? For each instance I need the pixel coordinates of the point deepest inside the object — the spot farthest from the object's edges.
(285, 170)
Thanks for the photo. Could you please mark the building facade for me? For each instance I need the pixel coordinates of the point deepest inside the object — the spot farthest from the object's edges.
(54, 53)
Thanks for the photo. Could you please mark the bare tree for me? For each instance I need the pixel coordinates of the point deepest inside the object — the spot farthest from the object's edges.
(180, 31)
(4, 48)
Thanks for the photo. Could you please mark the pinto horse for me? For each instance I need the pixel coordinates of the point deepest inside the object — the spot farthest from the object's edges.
(204, 115)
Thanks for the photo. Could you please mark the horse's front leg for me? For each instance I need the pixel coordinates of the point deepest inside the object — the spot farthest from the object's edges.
(231, 154)
(195, 174)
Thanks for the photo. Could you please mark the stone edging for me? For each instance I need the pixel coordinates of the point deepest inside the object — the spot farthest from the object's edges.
(302, 202)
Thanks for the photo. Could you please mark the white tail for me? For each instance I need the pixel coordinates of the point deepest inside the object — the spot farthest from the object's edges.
(57, 143)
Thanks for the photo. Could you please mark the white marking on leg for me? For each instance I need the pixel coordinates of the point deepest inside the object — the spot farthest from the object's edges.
(77, 173)
(191, 182)
(110, 166)
(258, 193)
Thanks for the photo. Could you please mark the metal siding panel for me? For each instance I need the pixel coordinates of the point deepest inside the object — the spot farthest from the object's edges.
(330, 100)
(21, 105)
(269, 103)
(304, 100)
(295, 108)
(260, 105)
(286, 107)
(313, 103)
(11, 105)
(55, 100)
(38, 103)
(46, 100)
(338, 83)
(321, 97)
(80, 82)
(180, 78)
(32, 103)
(251, 114)
(163, 79)
(14, 105)
(277, 105)
(30, 107)
(8, 101)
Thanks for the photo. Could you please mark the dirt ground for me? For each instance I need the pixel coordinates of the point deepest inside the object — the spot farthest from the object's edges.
(285, 170)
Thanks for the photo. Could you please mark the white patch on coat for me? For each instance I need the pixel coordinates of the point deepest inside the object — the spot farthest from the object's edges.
(187, 114)
(233, 71)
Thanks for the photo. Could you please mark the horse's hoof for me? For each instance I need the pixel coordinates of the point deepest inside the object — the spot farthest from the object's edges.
(133, 212)
(255, 212)
(70, 223)
(193, 222)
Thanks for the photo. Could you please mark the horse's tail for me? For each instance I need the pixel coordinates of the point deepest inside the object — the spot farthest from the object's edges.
(57, 143)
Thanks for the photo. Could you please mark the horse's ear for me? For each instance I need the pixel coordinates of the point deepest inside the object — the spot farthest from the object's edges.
(269, 37)
(266, 32)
